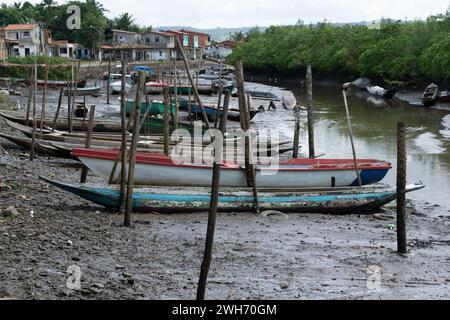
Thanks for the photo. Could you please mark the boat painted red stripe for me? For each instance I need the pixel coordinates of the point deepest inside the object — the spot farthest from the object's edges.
(313, 164)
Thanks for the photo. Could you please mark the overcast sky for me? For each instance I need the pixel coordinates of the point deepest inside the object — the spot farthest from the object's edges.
(248, 13)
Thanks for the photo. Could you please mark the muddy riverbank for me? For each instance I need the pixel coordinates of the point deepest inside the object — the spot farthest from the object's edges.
(299, 257)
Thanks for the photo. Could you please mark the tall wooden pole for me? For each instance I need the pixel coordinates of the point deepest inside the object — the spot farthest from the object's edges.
(166, 120)
(58, 108)
(30, 98)
(134, 140)
(175, 86)
(309, 105)
(245, 126)
(296, 132)
(191, 81)
(401, 189)
(123, 149)
(69, 103)
(109, 81)
(33, 134)
(349, 123)
(44, 95)
(218, 160)
(84, 171)
(74, 98)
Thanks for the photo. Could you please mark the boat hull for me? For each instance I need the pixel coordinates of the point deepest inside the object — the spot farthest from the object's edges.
(157, 171)
(187, 200)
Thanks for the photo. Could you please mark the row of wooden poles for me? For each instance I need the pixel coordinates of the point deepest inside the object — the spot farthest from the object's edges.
(127, 181)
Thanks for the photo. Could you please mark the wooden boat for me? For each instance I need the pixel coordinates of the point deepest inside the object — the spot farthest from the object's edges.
(187, 200)
(296, 173)
(444, 96)
(156, 108)
(430, 95)
(183, 89)
(154, 87)
(289, 101)
(263, 95)
(212, 112)
(152, 125)
(87, 91)
(53, 84)
(41, 147)
(379, 91)
(116, 87)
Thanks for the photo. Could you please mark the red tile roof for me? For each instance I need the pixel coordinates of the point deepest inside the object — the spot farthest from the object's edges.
(17, 27)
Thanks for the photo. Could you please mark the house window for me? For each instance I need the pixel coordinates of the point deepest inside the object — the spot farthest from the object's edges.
(147, 39)
(157, 39)
(26, 34)
(160, 53)
(86, 52)
(63, 50)
(16, 51)
(185, 40)
(116, 38)
(17, 35)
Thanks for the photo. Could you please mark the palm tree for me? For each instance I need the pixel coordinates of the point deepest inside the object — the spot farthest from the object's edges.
(124, 22)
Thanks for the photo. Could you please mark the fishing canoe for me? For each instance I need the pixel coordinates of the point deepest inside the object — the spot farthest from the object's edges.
(444, 96)
(88, 91)
(189, 200)
(212, 112)
(263, 95)
(296, 173)
(430, 95)
(156, 109)
(41, 147)
(53, 84)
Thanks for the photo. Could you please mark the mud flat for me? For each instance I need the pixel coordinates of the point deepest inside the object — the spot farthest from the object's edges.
(299, 257)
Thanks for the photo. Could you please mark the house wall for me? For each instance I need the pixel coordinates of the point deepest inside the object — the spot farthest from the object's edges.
(126, 37)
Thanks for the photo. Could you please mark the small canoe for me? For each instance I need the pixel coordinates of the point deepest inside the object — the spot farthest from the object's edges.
(263, 95)
(41, 147)
(154, 87)
(212, 112)
(156, 109)
(181, 89)
(88, 91)
(444, 96)
(53, 84)
(189, 200)
(430, 96)
(381, 92)
(295, 173)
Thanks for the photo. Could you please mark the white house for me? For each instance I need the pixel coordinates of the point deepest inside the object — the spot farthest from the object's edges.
(126, 37)
(29, 37)
(65, 49)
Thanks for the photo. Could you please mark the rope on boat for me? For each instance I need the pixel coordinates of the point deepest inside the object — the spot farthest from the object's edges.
(269, 213)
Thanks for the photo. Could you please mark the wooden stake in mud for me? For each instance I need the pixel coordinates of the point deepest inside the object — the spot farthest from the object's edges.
(166, 120)
(134, 140)
(218, 160)
(191, 81)
(74, 98)
(245, 126)
(349, 123)
(69, 104)
(30, 98)
(109, 81)
(401, 189)
(84, 171)
(123, 149)
(33, 134)
(58, 109)
(175, 95)
(309, 105)
(44, 95)
(296, 132)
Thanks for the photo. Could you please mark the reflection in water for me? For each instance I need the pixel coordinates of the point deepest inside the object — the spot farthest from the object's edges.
(374, 129)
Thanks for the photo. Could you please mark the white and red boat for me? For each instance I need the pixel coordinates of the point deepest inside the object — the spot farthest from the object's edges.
(159, 170)
(154, 87)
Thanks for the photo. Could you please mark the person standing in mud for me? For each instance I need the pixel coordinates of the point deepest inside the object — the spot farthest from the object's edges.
(271, 106)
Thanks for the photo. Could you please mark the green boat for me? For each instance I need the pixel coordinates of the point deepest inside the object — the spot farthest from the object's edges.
(155, 125)
(182, 90)
(156, 109)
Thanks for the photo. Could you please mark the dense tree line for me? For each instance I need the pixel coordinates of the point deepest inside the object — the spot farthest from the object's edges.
(396, 51)
(95, 26)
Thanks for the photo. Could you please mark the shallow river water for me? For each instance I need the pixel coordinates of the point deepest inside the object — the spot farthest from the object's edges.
(374, 129)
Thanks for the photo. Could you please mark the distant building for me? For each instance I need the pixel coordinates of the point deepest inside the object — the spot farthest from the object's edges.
(29, 38)
(65, 49)
(162, 45)
(192, 42)
(125, 37)
(222, 49)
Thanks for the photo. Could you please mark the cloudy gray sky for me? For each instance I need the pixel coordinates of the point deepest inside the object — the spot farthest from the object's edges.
(239, 13)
